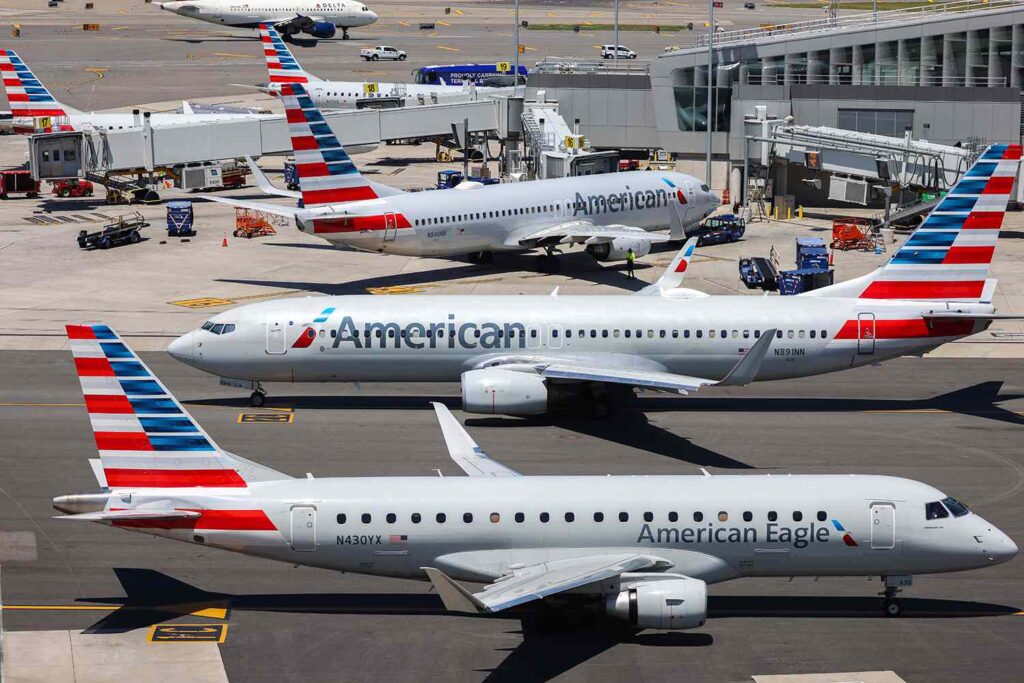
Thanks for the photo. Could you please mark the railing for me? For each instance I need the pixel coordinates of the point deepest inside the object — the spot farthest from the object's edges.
(558, 65)
(878, 79)
(861, 20)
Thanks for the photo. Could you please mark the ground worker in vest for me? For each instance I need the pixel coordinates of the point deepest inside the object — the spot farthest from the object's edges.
(630, 260)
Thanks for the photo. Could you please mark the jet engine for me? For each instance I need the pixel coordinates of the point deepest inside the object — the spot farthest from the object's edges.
(503, 392)
(670, 604)
(321, 29)
(617, 248)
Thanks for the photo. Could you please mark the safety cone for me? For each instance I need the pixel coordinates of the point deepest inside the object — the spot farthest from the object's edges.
(224, 242)
(831, 257)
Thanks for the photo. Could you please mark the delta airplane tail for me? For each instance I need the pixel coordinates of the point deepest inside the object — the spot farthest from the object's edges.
(145, 437)
(327, 174)
(27, 95)
(947, 257)
(281, 64)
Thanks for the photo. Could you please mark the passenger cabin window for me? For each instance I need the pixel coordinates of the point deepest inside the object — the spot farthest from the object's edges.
(798, 516)
(441, 517)
(935, 511)
(598, 516)
(467, 517)
(822, 516)
(341, 518)
(748, 516)
(673, 516)
(495, 518)
(520, 518)
(391, 518)
(416, 518)
(545, 517)
(773, 516)
(623, 516)
(698, 516)
(648, 516)
(570, 517)
(366, 518)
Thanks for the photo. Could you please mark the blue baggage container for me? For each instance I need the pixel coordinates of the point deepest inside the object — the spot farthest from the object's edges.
(291, 175)
(180, 219)
(811, 252)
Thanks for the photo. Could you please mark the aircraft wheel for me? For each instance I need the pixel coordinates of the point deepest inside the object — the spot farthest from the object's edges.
(257, 399)
(892, 608)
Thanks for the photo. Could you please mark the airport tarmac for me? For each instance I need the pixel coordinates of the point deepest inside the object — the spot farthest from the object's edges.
(954, 423)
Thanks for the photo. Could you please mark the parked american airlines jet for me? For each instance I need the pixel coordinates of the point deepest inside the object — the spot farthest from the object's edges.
(639, 548)
(517, 355)
(610, 213)
(284, 68)
(290, 17)
(34, 109)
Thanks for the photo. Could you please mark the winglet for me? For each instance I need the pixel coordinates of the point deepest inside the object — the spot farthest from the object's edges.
(186, 107)
(673, 276)
(455, 597)
(464, 451)
(263, 182)
(745, 371)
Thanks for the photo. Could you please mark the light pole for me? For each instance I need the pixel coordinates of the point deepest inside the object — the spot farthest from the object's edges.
(616, 32)
(515, 74)
(711, 73)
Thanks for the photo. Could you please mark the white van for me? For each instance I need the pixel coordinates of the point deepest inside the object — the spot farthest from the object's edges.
(608, 52)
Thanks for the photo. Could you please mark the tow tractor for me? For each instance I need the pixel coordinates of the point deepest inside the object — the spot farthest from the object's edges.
(73, 187)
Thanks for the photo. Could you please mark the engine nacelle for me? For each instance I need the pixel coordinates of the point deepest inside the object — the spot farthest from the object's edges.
(321, 29)
(617, 248)
(503, 392)
(672, 604)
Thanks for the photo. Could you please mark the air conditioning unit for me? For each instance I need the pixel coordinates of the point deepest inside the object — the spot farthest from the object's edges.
(200, 177)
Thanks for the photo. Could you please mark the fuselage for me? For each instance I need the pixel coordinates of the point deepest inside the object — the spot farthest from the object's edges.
(474, 217)
(340, 13)
(711, 528)
(116, 121)
(437, 338)
(340, 94)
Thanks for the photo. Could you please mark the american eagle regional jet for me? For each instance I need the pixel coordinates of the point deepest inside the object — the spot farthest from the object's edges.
(610, 213)
(284, 68)
(518, 355)
(639, 548)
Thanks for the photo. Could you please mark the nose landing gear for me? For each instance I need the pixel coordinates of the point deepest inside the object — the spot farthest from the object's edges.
(258, 397)
(893, 585)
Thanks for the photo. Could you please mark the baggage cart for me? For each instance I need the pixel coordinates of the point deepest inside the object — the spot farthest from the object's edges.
(18, 181)
(180, 219)
(125, 230)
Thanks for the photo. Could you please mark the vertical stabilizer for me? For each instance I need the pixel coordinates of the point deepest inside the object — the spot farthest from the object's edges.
(27, 96)
(281, 63)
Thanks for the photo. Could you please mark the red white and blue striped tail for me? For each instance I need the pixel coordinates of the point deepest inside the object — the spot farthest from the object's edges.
(145, 437)
(326, 172)
(281, 63)
(26, 93)
(947, 257)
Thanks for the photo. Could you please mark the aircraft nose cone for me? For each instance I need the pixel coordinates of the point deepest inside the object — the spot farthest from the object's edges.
(183, 348)
(1005, 549)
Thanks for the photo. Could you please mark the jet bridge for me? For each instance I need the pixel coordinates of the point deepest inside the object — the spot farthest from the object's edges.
(147, 147)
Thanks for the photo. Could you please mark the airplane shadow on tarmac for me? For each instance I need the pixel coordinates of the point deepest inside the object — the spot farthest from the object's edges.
(553, 642)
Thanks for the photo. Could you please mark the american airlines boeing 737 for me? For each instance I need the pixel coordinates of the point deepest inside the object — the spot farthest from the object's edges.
(640, 548)
(284, 68)
(610, 213)
(518, 355)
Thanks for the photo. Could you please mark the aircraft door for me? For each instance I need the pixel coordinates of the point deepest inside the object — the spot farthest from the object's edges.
(303, 528)
(865, 333)
(555, 336)
(883, 526)
(390, 226)
(276, 342)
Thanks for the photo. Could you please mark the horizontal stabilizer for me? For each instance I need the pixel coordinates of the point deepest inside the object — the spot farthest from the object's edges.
(129, 515)
(263, 182)
(956, 315)
(276, 209)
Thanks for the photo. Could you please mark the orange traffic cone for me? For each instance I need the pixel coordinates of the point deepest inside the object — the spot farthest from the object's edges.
(224, 243)
(725, 197)
(831, 257)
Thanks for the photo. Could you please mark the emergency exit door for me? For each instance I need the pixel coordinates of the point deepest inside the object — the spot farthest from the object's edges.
(276, 335)
(303, 528)
(390, 226)
(865, 333)
(883, 526)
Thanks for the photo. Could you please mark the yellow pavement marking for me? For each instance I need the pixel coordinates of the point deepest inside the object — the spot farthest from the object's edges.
(450, 49)
(396, 289)
(266, 418)
(404, 23)
(202, 302)
(99, 71)
(120, 28)
(458, 12)
(552, 14)
(231, 54)
(444, 23)
(212, 613)
(527, 48)
(209, 612)
(188, 633)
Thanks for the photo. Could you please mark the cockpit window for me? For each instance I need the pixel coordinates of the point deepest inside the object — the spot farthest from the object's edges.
(955, 506)
(207, 325)
(705, 188)
(217, 329)
(935, 511)
(228, 328)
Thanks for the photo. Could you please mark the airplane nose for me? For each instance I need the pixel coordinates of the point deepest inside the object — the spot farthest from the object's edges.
(183, 348)
(1004, 548)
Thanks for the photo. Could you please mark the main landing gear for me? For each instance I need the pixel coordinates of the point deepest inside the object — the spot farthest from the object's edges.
(893, 585)
(548, 262)
(258, 397)
(483, 257)
(344, 34)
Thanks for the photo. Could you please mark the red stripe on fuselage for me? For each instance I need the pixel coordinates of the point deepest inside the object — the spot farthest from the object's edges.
(914, 328)
(145, 478)
(357, 224)
(923, 289)
(209, 520)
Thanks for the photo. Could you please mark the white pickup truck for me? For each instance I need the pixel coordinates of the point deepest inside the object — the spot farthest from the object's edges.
(382, 52)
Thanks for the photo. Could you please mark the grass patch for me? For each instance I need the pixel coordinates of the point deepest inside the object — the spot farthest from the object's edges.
(610, 27)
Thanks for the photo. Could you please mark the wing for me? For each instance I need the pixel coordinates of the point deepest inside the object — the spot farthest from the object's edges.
(578, 231)
(583, 368)
(277, 209)
(464, 451)
(536, 581)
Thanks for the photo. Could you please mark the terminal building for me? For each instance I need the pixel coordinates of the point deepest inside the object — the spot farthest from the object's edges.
(946, 73)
